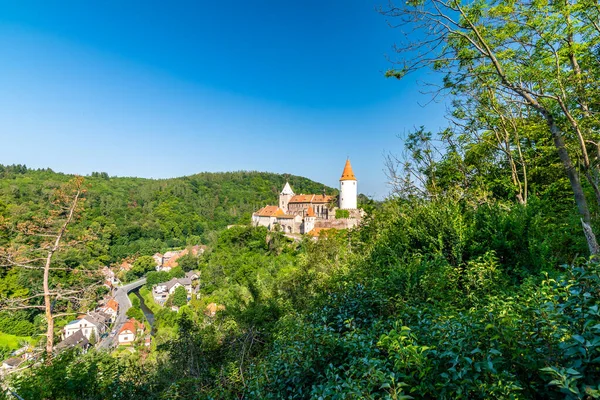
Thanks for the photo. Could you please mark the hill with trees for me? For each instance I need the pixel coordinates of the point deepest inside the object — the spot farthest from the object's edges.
(129, 216)
(478, 278)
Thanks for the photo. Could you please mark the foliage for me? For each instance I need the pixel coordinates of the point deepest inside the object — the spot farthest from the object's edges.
(156, 277)
(135, 312)
(140, 267)
(467, 284)
(342, 213)
(82, 376)
(16, 323)
(142, 216)
(13, 342)
(180, 296)
(188, 262)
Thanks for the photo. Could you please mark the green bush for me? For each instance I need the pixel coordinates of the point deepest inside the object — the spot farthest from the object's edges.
(342, 213)
(16, 323)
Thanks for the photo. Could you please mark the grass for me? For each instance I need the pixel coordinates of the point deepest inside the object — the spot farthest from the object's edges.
(149, 300)
(132, 296)
(12, 341)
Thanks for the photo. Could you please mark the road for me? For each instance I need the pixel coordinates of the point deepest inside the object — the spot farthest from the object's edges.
(124, 305)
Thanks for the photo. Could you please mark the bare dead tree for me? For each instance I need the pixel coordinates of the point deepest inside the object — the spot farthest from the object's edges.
(35, 244)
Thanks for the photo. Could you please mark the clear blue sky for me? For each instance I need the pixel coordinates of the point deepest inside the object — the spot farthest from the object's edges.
(170, 88)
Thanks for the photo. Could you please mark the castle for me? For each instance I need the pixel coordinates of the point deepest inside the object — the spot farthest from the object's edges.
(311, 213)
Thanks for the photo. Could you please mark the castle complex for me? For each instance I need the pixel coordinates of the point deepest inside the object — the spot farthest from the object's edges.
(311, 213)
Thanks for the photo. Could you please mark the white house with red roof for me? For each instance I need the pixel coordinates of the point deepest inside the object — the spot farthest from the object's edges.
(111, 308)
(130, 331)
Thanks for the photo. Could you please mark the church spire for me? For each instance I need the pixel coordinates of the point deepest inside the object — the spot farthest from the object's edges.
(287, 189)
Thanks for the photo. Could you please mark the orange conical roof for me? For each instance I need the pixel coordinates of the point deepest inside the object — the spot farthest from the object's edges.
(310, 212)
(348, 174)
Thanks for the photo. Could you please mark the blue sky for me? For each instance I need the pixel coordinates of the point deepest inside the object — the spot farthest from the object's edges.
(164, 89)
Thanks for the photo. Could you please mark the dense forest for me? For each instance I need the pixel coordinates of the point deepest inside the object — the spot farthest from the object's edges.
(477, 278)
(130, 216)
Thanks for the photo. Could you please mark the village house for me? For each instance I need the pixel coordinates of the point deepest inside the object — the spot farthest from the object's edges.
(125, 266)
(129, 331)
(192, 275)
(301, 213)
(89, 324)
(111, 308)
(25, 352)
(168, 261)
(158, 260)
(11, 363)
(162, 291)
(213, 308)
(110, 279)
(77, 339)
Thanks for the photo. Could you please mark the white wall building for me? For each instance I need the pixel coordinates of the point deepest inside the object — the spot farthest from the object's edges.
(87, 325)
(130, 330)
(162, 291)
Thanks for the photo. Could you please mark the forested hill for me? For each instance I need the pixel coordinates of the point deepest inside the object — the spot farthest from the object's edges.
(137, 215)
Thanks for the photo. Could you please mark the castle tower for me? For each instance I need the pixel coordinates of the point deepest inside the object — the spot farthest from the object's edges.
(348, 188)
(284, 197)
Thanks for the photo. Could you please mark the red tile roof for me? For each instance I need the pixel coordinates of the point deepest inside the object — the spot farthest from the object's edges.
(348, 174)
(311, 198)
(131, 325)
(112, 304)
(269, 211)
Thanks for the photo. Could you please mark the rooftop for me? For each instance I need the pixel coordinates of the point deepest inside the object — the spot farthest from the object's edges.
(311, 198)
(348, 174)
(269, 211)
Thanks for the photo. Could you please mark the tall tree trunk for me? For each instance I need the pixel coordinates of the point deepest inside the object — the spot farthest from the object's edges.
(580, 200)
(47, 293)
(559, 143)
(48, 304)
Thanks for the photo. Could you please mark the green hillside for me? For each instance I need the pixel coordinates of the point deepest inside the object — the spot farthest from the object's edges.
(141, 216)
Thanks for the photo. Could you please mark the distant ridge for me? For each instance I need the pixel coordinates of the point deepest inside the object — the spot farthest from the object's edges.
(144, 215)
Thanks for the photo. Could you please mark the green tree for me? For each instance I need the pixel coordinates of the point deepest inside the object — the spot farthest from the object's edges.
(176, 272)
(144, 264)
(93, 339)
(156, 277)
(180, 296)
(188, 262)
(135, 312)
(536, 56)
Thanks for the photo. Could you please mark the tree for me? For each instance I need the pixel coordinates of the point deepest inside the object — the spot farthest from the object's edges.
(180, 296)
(188, 262)
(93, 338)
(136, 313)
(538, 56)
(144, 264)
(156, 277)
(34, 248)
(176, 272)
